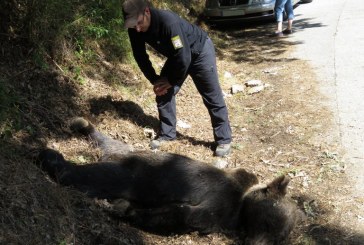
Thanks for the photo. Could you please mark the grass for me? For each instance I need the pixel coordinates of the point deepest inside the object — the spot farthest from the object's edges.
(37, 105)
(9, 120)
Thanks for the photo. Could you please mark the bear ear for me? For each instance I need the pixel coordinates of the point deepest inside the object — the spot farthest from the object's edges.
(82, 126)
(279, 185)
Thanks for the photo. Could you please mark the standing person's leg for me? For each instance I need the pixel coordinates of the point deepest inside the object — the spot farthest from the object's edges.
(167, 116)
(204, 74)
(278, 13)
(289, 10)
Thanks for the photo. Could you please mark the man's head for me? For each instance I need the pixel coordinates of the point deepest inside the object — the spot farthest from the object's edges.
(136, 14)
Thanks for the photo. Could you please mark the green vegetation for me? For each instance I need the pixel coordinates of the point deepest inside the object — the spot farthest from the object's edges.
(67, 29)
(75, 37)
(8, 111)
(75, 30)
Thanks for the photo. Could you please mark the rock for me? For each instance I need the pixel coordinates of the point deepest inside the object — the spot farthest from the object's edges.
(226, 95)
(183, 124)
(221, 163)
(227, 75)
(236, 88)
(257, 89)
(272, 71)
(149, 133)
(254, 83)
(108, 64)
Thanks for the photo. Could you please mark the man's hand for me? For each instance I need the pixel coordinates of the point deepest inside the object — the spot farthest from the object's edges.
(161, 86)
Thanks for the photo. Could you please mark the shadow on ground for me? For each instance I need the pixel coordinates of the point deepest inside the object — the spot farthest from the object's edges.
(253, 42)
(35, 211)
(36, 105)
(131, 111)
(314, 232)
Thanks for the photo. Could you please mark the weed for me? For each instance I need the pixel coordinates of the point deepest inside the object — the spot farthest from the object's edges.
(39, 60)
(64, 243)
(237, 146)
(78, 75)
(309, 208)
(97, 31)
(8, 110)
(329, 155)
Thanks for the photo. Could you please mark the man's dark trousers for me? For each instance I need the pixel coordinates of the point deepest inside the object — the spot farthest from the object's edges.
(203, 71)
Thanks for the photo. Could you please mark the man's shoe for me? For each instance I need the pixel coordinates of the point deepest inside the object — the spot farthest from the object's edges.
(222, 150)
(156, 143)
(278, 34)
(287, 32)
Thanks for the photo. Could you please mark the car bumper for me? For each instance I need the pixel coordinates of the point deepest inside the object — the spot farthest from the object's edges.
(269, 15)
(238, 10)
(241, 12)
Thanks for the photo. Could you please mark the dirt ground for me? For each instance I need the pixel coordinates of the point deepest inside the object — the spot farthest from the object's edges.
(283, 129)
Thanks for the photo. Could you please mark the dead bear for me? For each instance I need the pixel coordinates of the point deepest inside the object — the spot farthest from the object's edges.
(169, 193)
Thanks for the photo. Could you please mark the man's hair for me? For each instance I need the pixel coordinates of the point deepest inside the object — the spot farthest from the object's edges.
(132, 9)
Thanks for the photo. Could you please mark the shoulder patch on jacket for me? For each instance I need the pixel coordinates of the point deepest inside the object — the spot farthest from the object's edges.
(177, 42)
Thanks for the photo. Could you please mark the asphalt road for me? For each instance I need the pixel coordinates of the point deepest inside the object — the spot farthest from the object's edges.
(330, 35)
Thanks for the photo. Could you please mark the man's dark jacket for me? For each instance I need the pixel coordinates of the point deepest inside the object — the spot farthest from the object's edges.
(173, 37)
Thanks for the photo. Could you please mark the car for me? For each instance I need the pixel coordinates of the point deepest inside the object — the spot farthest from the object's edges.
(228, 10)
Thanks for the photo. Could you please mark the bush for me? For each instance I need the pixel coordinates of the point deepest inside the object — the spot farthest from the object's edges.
(53, 27)
(8, 111)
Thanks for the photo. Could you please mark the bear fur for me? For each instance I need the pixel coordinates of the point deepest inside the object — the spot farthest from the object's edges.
(169, 193)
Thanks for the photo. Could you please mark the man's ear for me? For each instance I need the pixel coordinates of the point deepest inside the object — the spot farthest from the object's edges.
(147, 11)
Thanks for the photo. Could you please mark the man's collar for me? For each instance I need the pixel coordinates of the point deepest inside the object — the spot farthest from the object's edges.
(154, 20)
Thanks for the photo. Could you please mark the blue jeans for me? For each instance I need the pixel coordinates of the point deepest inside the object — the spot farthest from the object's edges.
(283, 5)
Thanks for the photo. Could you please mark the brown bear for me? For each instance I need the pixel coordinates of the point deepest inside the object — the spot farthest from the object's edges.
(169, 193)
